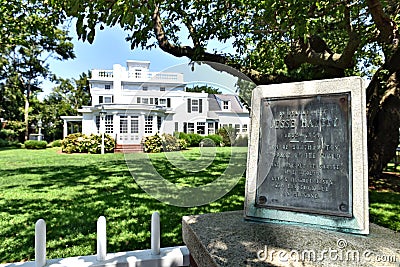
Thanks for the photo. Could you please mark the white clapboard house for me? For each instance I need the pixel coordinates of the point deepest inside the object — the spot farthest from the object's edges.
(140, 103)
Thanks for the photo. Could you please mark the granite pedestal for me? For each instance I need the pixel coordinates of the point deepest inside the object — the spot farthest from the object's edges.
(226, 239)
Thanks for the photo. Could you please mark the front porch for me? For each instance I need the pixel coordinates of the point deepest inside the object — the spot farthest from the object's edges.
(72, 124)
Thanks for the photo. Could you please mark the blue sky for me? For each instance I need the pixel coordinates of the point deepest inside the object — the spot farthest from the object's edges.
(110, 47)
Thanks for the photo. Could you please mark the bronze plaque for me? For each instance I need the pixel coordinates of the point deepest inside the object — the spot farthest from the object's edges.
(308, 141)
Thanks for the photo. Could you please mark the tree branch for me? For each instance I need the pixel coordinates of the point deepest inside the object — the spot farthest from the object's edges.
(386, 26)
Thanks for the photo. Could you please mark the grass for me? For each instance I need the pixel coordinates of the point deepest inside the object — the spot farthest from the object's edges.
(71, 191)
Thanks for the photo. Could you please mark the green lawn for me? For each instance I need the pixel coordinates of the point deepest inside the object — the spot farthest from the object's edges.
(71, 191)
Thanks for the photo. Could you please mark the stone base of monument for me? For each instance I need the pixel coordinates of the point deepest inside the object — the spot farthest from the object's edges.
(226, 239)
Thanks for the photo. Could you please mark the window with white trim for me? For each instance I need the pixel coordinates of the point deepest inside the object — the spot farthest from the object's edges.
(162, 89)
(123, 124)
(134, 124)
(190, 127)
(195, 105)
(244, 128)
(108, 121)
(225, 105)
(237, 128)
(210, 127)
(105, 99)
(107, 86)
(148, 124)
(138, 73)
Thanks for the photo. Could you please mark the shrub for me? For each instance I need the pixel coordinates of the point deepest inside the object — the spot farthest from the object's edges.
(241, 140)
(182, 144)
(212, 140)
(191, 139)
(8, 134)
(3, 143)
(6, 143)
(34, 144)
(153, 144)
(228, 135)
(163, 143)
(81, 143)
(56, 143)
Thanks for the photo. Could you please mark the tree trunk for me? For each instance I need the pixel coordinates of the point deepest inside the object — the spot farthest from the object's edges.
(383, 125)
(26, 111)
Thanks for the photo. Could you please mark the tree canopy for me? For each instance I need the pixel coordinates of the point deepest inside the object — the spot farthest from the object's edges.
(30, 33)
(274, 41)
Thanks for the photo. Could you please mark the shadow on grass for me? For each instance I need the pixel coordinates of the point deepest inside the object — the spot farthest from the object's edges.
(70, 192)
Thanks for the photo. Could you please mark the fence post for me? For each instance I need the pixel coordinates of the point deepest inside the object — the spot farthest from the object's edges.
(40, 243)
(155, 233)
(101, 239)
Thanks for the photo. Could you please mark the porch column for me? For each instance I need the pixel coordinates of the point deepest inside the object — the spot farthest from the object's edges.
(116, 125)
(65, 130)
(155, 119)
(141, 125)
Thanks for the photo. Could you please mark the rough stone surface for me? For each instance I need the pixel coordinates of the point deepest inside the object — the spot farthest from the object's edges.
(226, 239)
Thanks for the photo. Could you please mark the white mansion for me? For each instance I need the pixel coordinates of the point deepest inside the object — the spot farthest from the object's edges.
(140, 103)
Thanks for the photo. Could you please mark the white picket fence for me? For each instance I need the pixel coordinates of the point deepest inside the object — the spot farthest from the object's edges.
(154, 257)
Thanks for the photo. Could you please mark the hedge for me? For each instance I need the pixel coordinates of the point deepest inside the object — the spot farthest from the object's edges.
(35, 144)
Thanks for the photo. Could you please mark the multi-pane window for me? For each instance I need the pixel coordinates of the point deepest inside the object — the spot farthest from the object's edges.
(195, 105)
(211, 129)
(145, 88)
(123, 124)
(162, 88)
(244, 128)
(135, 124)
(190, 127)
(105, 99)
(165, 102)
(225, 105)
(108, 121)
(145, 101)
(148, 124)
(201, 127)
(107, 86)
(138, 73)
(237, 128)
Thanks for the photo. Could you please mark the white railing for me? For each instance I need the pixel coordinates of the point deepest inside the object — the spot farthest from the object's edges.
(156, 256)
(140, 76)
(102, 73)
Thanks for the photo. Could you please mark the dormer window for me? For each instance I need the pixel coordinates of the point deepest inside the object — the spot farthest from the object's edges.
(162, 89)
(145, 88)
(225, 105)
(107, 86)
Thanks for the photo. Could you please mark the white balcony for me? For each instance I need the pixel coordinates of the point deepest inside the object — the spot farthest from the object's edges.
(139, 76)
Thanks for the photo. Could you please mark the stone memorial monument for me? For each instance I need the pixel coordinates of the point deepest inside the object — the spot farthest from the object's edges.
(307, 160)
